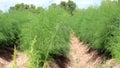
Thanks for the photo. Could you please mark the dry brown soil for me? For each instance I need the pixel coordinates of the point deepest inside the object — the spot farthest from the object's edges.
(6, 59)
(82, 56)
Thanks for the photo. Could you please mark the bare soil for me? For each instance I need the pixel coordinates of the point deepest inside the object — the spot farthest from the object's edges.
(82, 56)
(6, 59)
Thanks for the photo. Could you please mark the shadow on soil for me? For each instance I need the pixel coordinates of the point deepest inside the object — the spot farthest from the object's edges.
(60, 61)
(7, 53)
(96, 54)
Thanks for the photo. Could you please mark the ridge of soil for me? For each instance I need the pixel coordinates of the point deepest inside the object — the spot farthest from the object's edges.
(82, 56)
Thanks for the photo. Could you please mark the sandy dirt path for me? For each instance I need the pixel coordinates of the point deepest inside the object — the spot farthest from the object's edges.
(82, 56)
(6, 59)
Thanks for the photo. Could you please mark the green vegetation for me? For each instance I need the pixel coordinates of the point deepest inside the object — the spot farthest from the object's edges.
(99, 27)
(22, 7)
(52, 33)
(44, 33)
(69, 6)
(14, 58)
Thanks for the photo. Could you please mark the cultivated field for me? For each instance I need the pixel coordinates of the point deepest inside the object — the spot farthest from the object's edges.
(60, 37)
